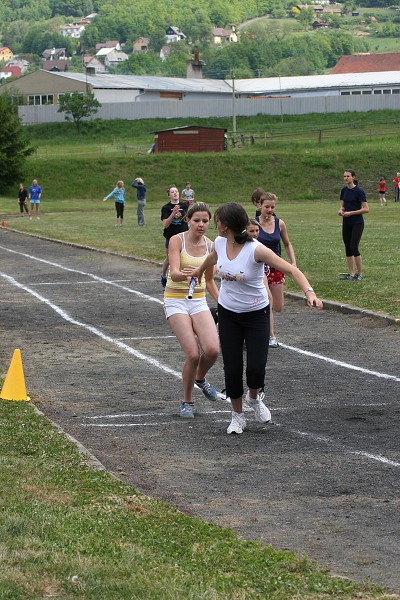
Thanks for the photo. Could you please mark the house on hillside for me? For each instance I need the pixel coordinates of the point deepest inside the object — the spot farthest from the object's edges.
(320, 23)
(174, 34)
(367, 63)
(93, 65)
(73, 30)
(141, 44)
(58, 66)
(111, 56)
(6, 54)
(55, 54)
(8, 72)
(221, 35)
(113, 44)
(165, 52)
(20, 63)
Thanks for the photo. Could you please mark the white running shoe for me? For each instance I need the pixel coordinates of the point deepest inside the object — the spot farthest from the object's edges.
(261, 412)
(238, 423)
(273, 342)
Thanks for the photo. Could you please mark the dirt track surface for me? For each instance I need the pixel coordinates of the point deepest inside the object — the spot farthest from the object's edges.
(99, 359)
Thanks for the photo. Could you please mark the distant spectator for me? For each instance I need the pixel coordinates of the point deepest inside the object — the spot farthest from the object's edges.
(396, 182)
(382, 191)
(187, 195)
(22, 196)
(34, 195)
(138, 184)
(173, 217)
(119, 196)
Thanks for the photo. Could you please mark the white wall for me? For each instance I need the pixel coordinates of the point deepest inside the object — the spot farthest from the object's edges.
(172, 109)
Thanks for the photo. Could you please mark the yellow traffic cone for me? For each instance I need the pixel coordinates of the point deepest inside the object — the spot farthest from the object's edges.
(14, 383)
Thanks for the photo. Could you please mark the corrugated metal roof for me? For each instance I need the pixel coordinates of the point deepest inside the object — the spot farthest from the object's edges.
(151, 83)
(273, 85)
(262, 85)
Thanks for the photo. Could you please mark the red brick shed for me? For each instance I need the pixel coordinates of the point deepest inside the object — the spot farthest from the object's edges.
(191, 138)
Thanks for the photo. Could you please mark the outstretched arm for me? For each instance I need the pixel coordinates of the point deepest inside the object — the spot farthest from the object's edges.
(265, 255)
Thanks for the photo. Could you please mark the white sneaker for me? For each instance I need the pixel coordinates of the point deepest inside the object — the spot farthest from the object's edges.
(261, 412)
(273, 342)
(238, 423)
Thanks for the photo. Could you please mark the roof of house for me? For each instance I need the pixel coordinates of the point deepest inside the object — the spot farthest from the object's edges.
(176, 30)
(188, 127)
(108, 44)
(53, 51)
(14, 71)
(220, 31)
(367, 63)
(56, 65)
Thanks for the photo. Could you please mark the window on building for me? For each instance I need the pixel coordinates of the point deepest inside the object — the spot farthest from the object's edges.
(387, 91)
(345, 93)
(377, 91)
(356, 93)
(366, 92)
(41, 100)
(396, 91)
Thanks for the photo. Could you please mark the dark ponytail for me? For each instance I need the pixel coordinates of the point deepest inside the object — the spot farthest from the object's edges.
(235, 218)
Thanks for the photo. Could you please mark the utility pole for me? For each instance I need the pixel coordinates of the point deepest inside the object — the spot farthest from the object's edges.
(233, 103)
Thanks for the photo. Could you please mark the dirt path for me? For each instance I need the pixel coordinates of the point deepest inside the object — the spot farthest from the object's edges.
(99, 359)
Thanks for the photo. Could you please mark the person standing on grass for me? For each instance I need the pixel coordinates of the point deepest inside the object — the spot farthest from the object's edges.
(273, 231)
(353, 206)
(396, 182)
(255, 199)
(382, 190)
(22, 196)
(173, 219)
(187, 195)
(119, 196)
(243, 308)
(34, 195)
(253, 229)
(190, 319)
(138, 183)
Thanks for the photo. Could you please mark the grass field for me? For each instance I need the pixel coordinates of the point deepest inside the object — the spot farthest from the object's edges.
(306, 176)
(314, 229)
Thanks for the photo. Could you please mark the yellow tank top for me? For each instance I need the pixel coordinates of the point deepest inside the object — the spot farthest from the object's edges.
(179, 289)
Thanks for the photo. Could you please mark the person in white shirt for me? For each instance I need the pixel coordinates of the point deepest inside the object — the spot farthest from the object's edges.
(243, 308)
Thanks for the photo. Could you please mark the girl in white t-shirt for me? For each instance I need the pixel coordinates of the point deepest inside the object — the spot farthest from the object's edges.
(243, 308)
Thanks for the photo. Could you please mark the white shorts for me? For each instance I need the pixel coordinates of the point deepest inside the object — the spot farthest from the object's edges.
(174, 306)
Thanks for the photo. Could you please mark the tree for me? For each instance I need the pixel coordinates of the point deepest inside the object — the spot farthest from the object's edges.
(14, 145)
(77, 106)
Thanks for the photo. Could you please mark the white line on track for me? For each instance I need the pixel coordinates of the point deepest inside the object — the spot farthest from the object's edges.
(95, 277)
(149, 337)
(340, 363)
(69, 283)
(328, 441)
(304, 434)
(94, 330)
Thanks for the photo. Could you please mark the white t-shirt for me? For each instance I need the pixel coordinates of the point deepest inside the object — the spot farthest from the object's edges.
(242, 279)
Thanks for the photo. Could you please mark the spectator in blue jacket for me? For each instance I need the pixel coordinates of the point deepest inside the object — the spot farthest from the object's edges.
(138, 183)
(119, 196)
